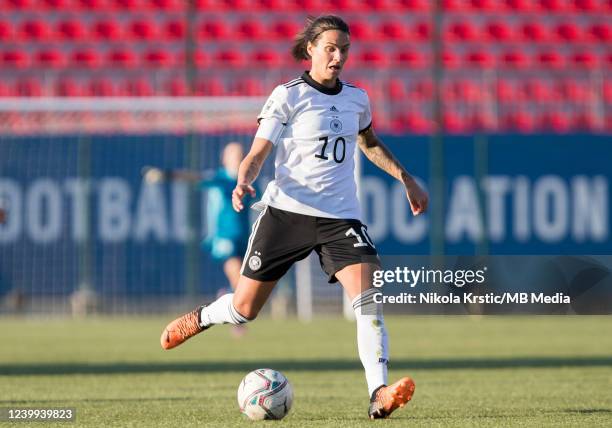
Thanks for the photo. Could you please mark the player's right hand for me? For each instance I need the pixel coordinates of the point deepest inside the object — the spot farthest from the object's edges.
(239, 192)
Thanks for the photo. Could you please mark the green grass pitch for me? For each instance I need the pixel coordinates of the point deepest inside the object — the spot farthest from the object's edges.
(469, 371)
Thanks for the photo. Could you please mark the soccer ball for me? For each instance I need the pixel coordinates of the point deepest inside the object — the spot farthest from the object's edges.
(265, 394)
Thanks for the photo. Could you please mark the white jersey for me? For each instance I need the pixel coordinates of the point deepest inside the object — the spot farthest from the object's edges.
(315, 149)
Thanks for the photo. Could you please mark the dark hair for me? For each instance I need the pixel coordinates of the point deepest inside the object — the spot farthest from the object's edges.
(311, 32)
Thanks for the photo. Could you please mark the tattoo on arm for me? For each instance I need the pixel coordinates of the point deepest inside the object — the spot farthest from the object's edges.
(379, 155)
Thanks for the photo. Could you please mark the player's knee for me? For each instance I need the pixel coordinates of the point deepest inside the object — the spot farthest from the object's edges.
(247, 310)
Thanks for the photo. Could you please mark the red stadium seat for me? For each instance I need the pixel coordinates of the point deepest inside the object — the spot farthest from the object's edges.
(201, 59)
(101, 88)
(450, 60)
(461, 31)
(533, 32)
(142, 30)
(168, 5)
(176, 88)
(54, 4)
(411, 59)
(535, 90)
(396, 89)
(567, 32)
(372, 59)
(506, 91)
(175, 30)
(422, 31)
(480, 121)
(415, 122)
(339, 5)
(393, 30)
(107, 30)
(35, 30)
(585, 59)
(480, 59)
(284, 30)
(212, 30)
(454, 123)
(607, 92)
(483, 4)
(519, 121)
(119, 58)
(308, 5)
(159, 58)
(266, 58)
(552, 5)
(607, 60)
(137, 88)
(127, 4)
(19, 4)
(71, 30)
(361, 30)
(376, 5)
(90, 4)
(498, 31)
(15, 59)
(28, 88)
(250, 87)
(210, 87)
(85, 58)
(587, 5)
(422, 90)
(514, 60)
(6, 31)
(66, 87)
(572, 91)
(556, 121)
(600, 32)
(550, 59)
(519, 5)
(413, 5)
(250, 30)
(50, 58)
(229, 58)
(453, 5)
(583, 121)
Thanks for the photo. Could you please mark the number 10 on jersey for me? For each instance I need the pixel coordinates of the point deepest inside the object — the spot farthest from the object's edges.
(338, 153)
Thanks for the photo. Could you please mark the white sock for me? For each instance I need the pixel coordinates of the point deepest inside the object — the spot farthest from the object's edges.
(372, 339)
(221, 311)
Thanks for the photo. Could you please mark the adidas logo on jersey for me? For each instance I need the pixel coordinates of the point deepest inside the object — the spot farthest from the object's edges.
(334, 109)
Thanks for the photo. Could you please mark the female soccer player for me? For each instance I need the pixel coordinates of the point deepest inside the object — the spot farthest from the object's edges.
(315, 123)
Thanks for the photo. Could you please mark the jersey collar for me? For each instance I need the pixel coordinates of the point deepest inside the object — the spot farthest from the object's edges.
(328, 91)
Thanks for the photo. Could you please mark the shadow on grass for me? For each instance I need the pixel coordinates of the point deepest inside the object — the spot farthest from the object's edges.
(296, 365)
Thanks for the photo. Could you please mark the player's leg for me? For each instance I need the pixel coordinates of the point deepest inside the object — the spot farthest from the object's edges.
(277, 240)
(235, 308)
(372, 341)
(231, 268)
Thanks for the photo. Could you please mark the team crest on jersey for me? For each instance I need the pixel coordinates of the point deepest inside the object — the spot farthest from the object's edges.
(255, 261)
(335, 125)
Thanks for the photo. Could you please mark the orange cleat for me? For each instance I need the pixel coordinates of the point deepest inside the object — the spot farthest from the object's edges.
(182, 329)
(386, 399)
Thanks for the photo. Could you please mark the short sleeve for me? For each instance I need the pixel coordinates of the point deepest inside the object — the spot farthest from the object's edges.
(365, 118)
(277, 106)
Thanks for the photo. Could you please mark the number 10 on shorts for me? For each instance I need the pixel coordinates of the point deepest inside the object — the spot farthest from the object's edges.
(360, 243)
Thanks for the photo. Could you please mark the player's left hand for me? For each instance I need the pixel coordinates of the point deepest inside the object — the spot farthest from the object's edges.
(417, 197)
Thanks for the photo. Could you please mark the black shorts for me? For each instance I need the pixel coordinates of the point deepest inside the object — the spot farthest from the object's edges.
(280, 238)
